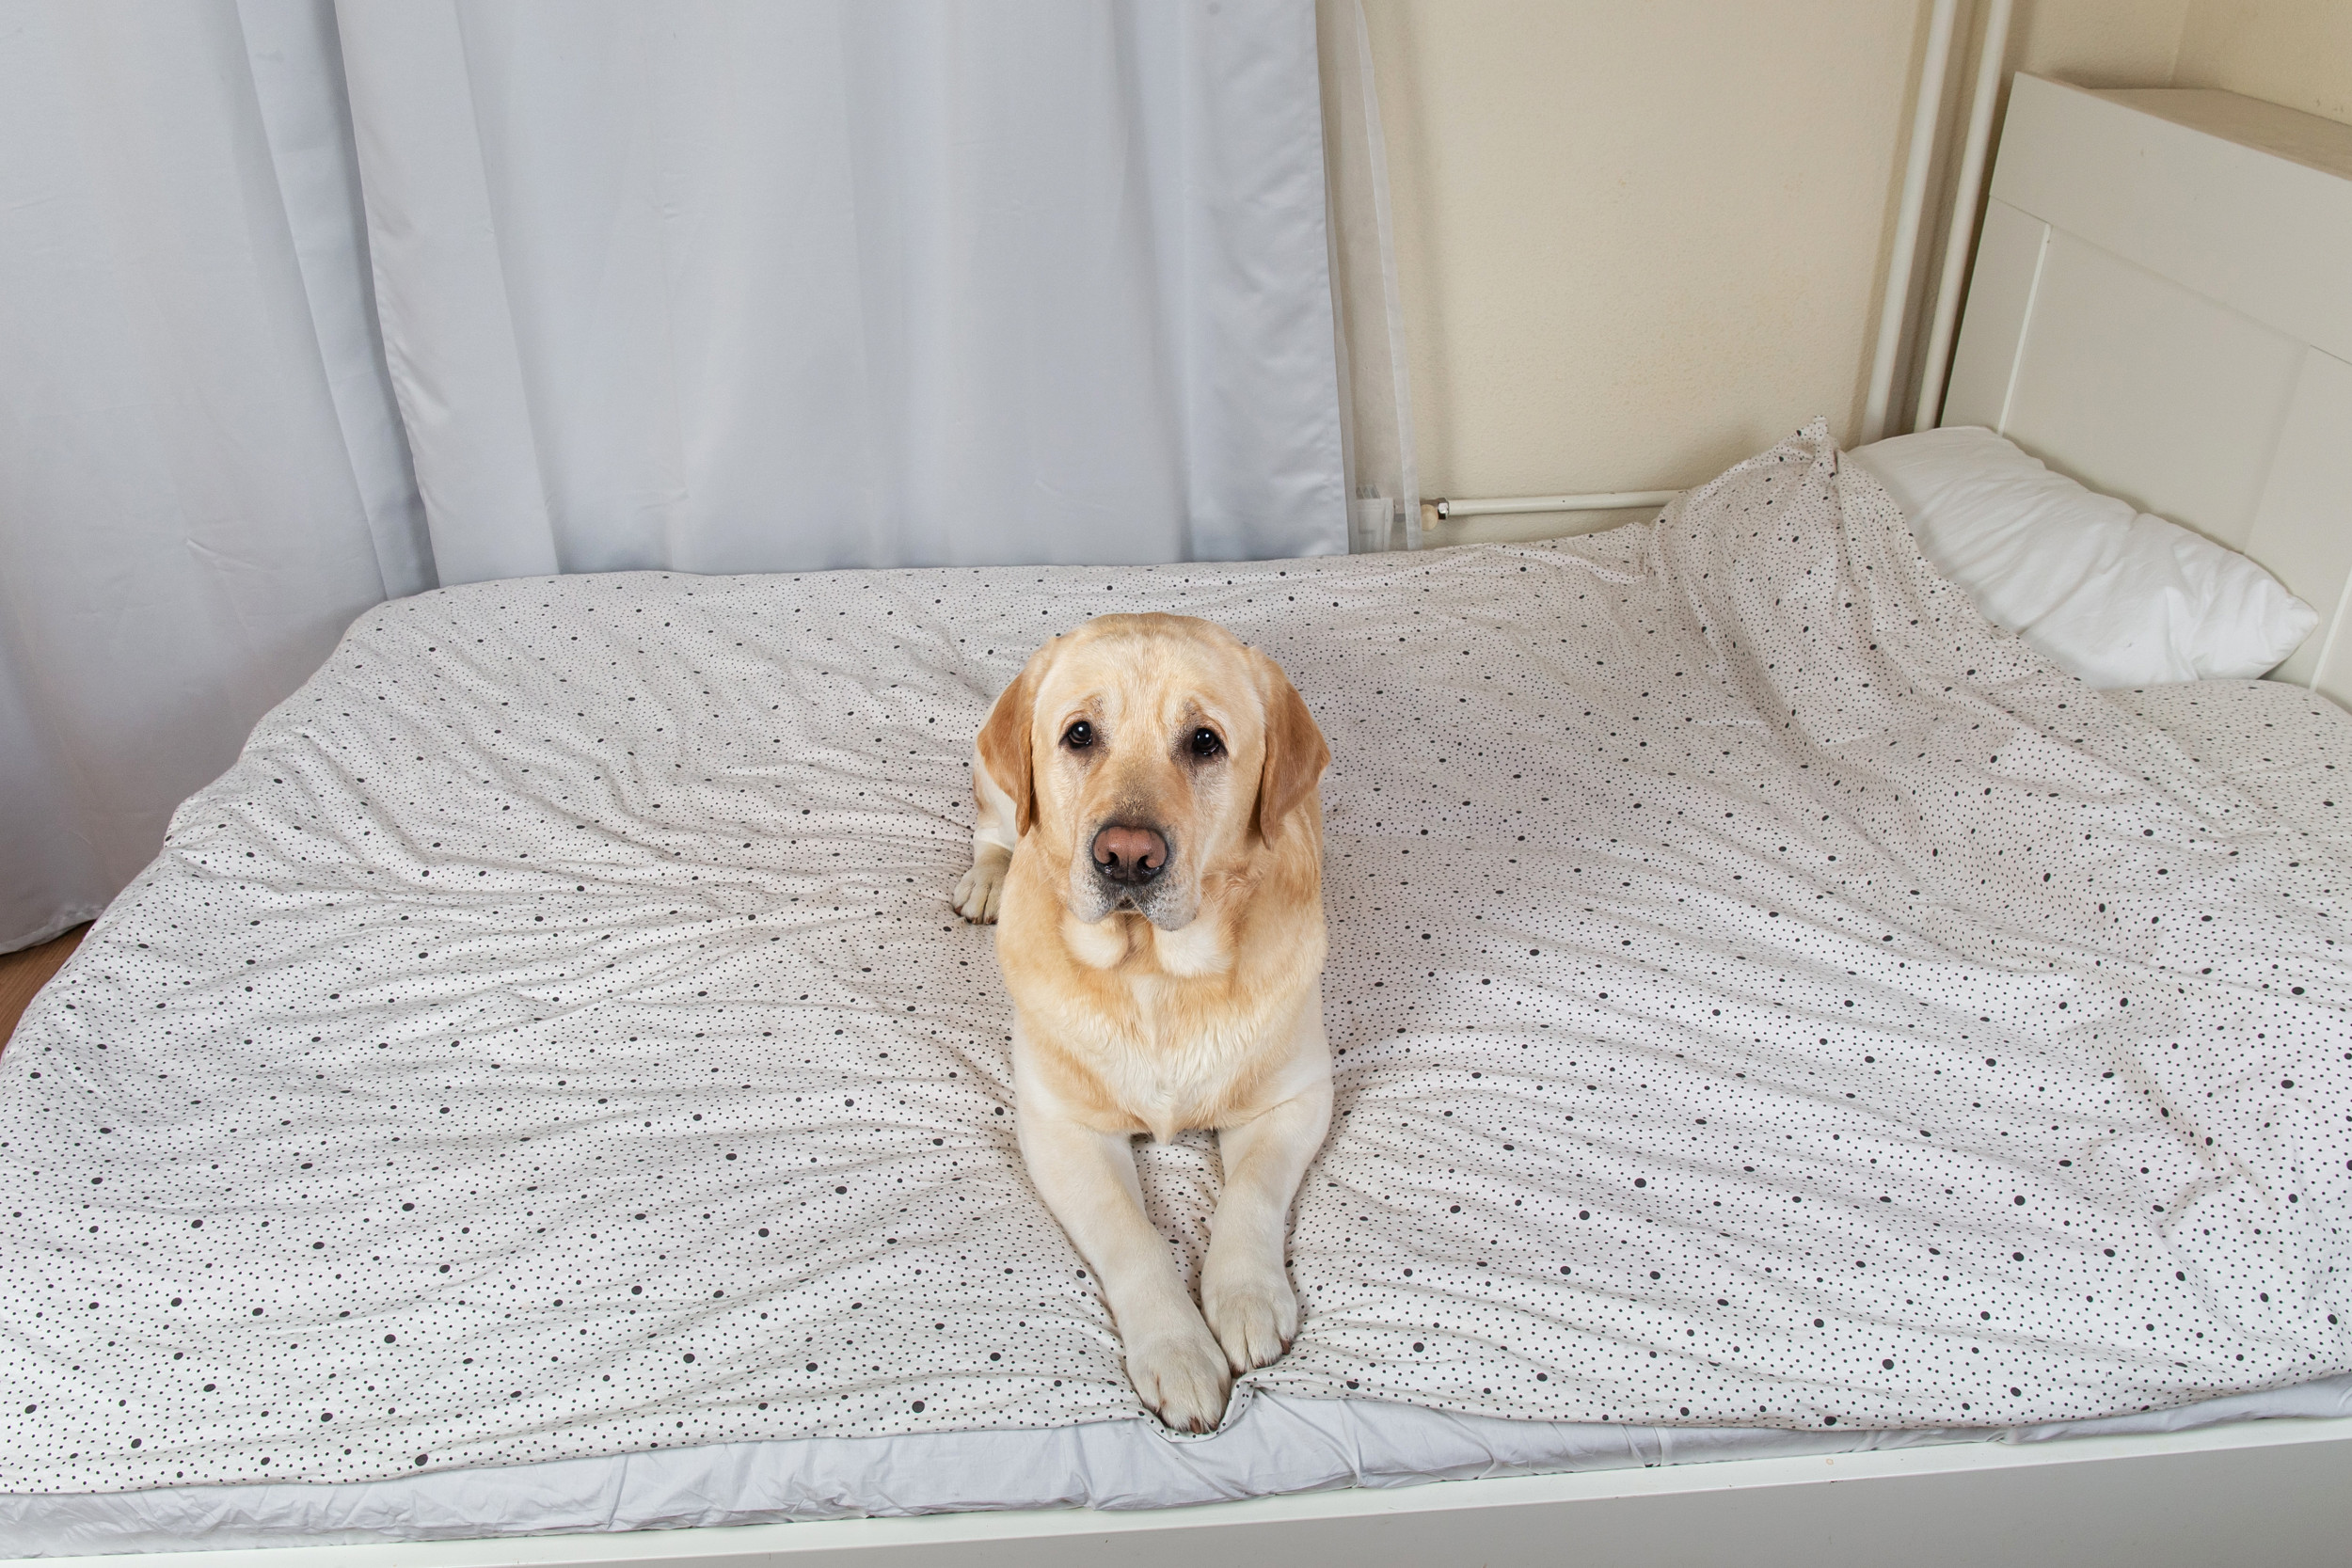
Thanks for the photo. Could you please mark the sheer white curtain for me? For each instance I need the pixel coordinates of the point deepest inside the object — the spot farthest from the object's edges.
(305, 304)
(1368, 313)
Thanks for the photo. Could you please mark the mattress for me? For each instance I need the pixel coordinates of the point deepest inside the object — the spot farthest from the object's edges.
(549, 1044)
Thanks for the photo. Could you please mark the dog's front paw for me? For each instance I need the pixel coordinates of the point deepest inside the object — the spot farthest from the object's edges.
(1180, 1376)
(983, 888)
(1253, 1315)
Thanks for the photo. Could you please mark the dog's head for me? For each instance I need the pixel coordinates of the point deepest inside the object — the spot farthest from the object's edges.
(1147, 750)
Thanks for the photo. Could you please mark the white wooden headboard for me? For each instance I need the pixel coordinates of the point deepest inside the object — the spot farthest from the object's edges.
(2162, 308)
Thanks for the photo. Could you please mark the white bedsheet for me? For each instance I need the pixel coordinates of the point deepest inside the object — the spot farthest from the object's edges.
(1768, 997)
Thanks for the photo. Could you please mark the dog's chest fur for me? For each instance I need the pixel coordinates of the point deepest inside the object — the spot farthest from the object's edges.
(1160, 1031)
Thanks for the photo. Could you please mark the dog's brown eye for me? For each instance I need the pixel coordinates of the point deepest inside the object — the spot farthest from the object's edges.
(1205, 743)
(1078, 736)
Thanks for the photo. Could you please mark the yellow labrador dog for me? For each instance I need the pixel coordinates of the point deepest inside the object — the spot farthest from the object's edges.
(1151, 843)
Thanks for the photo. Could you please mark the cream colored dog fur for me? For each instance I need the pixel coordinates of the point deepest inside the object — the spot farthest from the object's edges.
(1150, 841)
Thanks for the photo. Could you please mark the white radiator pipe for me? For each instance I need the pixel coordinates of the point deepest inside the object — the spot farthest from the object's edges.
(1965, 201)
(1914, 198)
(1609, 500)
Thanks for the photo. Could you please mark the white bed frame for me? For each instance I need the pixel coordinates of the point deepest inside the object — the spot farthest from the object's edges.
(2162, 306)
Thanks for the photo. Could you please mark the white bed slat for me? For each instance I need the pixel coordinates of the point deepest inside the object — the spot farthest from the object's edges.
(2105, 335)
(2195, 193)
(2000, 299)
(2302, 531)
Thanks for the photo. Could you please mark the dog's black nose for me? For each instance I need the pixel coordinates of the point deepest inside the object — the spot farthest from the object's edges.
(1130, 855)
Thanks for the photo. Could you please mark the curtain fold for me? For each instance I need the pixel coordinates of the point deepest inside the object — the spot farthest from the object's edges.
(1367, 309)
(304, 305)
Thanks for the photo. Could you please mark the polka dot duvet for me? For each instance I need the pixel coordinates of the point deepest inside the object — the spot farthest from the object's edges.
(1765, 996)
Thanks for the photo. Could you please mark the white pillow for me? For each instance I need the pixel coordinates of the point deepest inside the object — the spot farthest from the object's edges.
(2117, 597)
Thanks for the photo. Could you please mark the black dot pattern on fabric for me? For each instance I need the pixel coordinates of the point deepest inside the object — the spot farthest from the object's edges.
(1763, 996)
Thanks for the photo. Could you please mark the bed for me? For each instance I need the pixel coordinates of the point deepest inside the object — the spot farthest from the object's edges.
(541, 1087)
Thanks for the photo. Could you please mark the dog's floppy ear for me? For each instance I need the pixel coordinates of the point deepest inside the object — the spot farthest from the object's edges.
(1295, 754)
(1004, 741)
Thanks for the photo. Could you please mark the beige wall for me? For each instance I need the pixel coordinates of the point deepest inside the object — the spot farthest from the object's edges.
(1639, 238)
(2292, 52)
(2097, 43)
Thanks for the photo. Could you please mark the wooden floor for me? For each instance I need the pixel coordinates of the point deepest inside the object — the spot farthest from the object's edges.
(22, 975)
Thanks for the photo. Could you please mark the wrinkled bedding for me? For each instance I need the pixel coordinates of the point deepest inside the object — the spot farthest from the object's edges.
(1766, 996)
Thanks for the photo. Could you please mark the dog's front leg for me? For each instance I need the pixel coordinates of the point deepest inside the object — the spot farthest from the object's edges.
(1087, 1179)
(995, 836)
(1244, 1288)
